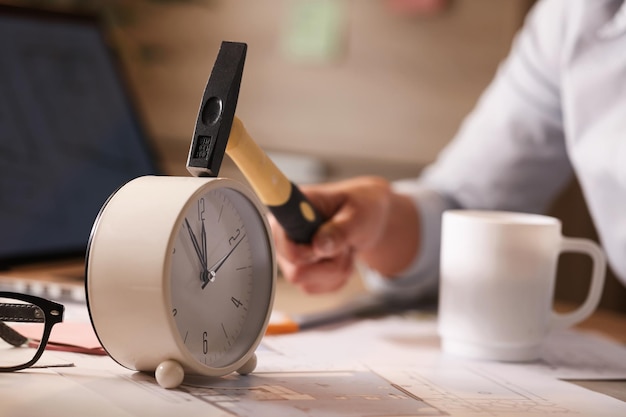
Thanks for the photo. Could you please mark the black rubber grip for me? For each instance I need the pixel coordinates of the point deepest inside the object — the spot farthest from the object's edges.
(291, 217)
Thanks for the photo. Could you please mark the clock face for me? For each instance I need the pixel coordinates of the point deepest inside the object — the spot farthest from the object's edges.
(221, 276)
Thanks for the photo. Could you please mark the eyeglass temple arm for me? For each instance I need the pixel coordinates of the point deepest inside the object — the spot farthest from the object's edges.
(23, 313)
(11, 336)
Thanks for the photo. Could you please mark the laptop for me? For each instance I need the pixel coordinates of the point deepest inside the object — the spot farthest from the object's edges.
(69, 133)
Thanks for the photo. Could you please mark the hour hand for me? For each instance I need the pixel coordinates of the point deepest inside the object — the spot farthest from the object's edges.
(204, 275)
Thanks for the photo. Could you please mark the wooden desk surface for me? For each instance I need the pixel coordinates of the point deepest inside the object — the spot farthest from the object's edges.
(607, 322)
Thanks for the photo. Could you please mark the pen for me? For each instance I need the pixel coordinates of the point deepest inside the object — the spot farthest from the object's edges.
(364, 305)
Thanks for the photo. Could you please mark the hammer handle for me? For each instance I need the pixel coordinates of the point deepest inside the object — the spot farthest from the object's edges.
(283, 198)
(297, 216)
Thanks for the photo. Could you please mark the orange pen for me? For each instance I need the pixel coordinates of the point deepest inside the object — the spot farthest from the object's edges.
(361, 306)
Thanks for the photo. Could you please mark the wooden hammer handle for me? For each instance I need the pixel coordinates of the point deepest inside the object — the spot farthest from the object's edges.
(283, 198)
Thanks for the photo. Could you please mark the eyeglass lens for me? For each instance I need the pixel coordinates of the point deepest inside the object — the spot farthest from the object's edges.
(21, 330)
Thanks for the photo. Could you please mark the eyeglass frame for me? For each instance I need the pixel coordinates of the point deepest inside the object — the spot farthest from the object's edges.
(53, 314)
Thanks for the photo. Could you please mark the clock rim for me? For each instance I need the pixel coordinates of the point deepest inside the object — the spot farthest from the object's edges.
(256, 206)
(127, 357)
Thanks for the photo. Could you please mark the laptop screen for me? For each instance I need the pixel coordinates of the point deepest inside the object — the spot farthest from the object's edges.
(69, 136)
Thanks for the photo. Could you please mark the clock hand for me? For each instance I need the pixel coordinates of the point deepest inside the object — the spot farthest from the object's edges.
(203, 236)
(204, 274)
(217, 265)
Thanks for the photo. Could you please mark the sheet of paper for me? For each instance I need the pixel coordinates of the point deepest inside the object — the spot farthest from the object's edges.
(71, 336)
(99, 387)
(385, 367)
(477, 391)
(412, 340)
(570, 354)
(96, 387)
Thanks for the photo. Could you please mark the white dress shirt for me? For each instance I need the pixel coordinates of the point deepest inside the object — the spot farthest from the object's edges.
(556, 108)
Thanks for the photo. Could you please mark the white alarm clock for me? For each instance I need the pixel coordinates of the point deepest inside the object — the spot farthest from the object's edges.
(181, 276)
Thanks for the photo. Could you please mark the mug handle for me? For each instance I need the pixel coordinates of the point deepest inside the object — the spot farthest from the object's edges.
(579, 245)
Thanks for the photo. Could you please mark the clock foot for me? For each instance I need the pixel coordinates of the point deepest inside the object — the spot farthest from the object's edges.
(249, 366)
(169, 374)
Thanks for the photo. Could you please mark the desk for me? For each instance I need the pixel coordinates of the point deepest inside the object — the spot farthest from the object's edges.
(324, 362)
(606, 322)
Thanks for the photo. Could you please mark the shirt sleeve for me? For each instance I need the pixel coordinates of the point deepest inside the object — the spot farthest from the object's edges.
(419, 280)
(509, 153)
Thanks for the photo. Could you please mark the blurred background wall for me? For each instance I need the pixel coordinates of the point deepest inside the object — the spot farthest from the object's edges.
(329, 78)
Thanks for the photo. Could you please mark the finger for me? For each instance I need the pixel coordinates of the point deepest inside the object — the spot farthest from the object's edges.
(323, 276)
(349, 229)
(288, 250)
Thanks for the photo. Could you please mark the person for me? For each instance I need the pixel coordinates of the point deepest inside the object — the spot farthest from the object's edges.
(556, 108)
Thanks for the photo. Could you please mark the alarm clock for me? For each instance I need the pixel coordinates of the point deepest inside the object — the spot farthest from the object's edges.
(180, 276)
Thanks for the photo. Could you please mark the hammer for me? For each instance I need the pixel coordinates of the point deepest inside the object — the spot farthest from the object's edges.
(219, 131)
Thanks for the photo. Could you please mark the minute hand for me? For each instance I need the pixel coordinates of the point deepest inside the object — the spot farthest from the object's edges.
(217, 265)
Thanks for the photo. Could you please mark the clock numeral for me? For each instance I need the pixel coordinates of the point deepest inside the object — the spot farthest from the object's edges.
(205, 343)
(234, 237)
(174, 312)
(236, 302)
(201, 209)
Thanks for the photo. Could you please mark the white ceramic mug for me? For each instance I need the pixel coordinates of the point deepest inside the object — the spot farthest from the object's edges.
(498, 272)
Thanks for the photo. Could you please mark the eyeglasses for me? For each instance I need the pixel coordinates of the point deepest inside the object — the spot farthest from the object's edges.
(25, 325)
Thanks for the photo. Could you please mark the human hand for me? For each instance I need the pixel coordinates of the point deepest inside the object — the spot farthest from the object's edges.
(366, 220)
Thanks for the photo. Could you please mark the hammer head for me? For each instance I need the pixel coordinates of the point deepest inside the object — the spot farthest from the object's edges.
(217, 111)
